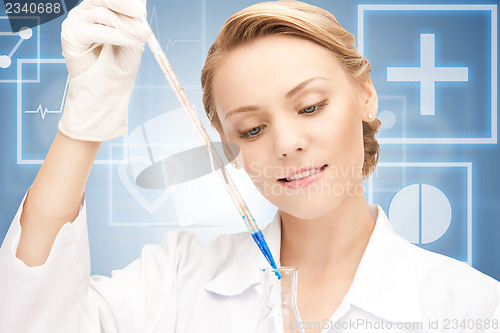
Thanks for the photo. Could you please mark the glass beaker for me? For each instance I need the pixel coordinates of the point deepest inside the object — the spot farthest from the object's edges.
(279, 312)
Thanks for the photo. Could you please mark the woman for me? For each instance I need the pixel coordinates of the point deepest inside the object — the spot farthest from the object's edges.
(284, 81)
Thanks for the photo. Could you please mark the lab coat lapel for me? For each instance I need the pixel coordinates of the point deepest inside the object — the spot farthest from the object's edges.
(243, 269)
(385, 282)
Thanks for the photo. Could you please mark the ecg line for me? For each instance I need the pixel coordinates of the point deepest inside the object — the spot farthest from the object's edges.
(154, 17)
(44, 111)
(171, 42)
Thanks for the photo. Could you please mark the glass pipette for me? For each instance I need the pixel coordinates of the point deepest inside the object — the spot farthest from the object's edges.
(179, 92)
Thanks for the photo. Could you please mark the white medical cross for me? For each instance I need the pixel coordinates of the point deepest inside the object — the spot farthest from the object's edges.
(427, 74)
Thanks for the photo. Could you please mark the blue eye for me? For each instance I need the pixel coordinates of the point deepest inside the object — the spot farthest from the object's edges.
(313, 109)
(310, 109)
(254, 132)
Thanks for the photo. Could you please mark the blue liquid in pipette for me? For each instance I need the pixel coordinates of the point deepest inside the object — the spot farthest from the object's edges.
(258, 237)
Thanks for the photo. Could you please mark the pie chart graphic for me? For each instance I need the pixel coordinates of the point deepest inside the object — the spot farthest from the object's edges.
(420, 213)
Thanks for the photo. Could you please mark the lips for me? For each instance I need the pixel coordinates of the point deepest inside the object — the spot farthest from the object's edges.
(302, 173)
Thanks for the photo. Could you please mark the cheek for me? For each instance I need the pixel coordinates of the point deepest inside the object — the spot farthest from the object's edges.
(343, 138)
(260, 169)
(343, 130)
(252, 159)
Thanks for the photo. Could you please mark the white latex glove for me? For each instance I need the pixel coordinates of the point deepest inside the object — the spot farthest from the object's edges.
(102, 42)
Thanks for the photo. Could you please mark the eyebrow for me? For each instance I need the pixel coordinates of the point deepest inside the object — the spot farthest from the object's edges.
(288, 95)
(302, 85)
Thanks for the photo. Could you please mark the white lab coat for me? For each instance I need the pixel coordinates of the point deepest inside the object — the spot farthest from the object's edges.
(183, 286)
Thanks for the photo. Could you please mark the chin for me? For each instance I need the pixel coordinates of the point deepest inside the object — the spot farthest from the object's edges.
(310, 209)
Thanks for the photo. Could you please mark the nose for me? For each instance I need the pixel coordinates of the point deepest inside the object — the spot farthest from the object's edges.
(289, 139)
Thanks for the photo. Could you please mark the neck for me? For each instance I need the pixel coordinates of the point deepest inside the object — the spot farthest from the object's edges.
(333, 243)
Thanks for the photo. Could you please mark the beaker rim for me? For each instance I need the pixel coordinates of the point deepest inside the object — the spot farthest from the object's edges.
(280, 269)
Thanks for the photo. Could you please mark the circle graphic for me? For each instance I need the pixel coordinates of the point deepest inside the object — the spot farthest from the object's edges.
(421, 213)
(5, 61)
(25, 33)
(387, 119)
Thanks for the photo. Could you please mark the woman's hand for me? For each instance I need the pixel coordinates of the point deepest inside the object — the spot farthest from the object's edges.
(102, 42)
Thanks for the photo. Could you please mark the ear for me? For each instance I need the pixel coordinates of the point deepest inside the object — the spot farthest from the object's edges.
(369, 100)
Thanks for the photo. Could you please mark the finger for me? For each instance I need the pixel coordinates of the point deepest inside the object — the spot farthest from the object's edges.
(131, 8)
(102, 16)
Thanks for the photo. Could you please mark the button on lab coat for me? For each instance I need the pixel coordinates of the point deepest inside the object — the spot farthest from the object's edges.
(184, 286)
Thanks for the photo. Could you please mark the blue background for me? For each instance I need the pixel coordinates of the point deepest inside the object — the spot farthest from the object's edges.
(119, 225)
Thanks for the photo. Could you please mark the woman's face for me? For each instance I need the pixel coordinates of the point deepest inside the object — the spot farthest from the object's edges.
(290, 106)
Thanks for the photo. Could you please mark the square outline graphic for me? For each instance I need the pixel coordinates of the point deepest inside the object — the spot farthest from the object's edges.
(467, 165)
(37, 18)
(20, 62)
(494, 74)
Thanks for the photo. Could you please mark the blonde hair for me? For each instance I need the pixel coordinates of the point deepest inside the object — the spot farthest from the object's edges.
(291, 18)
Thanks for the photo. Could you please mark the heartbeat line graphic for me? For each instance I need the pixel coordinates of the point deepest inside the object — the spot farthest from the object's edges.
(171, 42)
(153, 23)
(44, 111)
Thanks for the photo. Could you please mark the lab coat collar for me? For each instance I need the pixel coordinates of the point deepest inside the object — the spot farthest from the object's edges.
(384, 284)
